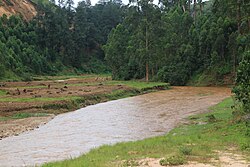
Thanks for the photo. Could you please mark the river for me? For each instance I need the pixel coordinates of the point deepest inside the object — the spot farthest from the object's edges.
(135, 118)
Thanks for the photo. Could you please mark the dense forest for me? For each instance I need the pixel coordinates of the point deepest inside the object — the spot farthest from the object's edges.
(179, 40)
(60, 38)
(175, 41)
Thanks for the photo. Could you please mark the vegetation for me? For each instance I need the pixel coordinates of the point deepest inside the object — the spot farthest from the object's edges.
(23, 115)
(173, 161)
(26, 115)
(178, 41)
(58, 40)
(173, 42)
(2, 93)
(193, 142)
(59, 104)
(242, 88)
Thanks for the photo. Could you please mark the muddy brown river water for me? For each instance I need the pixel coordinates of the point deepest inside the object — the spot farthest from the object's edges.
(72, 134)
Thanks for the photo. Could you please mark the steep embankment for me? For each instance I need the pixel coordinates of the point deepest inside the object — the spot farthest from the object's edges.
(25, 8)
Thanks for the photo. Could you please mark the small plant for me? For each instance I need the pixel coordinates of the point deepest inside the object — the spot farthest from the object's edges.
(245, 147)
(185, 150)
(211, 118)
(130, 163)
(173, 160)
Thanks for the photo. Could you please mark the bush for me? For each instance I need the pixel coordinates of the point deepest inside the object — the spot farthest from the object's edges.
(174, 74)
(173, 160)
(211, 118)
(242, 88)
(185, 150)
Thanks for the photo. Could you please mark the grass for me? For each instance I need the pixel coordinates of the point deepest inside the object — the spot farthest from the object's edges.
(2, 92)
(65, 77)
(4, 118)
(27, 115)
(23, 115)
(38, 99)
(137, 84)
(196, 141)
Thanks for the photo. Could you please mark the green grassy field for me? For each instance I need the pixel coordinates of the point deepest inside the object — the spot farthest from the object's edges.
(196, 141)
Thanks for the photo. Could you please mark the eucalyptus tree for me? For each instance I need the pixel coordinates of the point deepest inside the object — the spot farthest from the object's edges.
(149, 18)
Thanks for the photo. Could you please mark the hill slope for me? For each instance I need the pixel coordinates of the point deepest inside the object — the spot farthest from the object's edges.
(25, 8)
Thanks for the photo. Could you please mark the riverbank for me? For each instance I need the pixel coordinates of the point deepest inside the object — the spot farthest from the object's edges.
(27, 105)
(203, 140)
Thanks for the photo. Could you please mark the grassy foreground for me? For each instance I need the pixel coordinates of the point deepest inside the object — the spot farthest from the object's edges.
(196, 141)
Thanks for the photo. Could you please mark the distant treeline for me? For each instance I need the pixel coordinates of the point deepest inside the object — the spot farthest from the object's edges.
(59, 39)
(178, 40)
(172, 42)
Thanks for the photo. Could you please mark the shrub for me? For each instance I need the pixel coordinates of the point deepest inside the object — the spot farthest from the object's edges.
(173, 160)
(185, 150)
(211, 118)
(242, 88)
(174, 74)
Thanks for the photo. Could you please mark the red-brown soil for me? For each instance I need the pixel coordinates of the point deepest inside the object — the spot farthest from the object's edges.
(25, 8)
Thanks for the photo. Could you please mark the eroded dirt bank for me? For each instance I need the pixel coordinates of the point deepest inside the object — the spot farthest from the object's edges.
(71, 134)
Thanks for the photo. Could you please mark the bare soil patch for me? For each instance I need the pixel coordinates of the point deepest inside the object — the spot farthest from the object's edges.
(25, 8)
(226, 159)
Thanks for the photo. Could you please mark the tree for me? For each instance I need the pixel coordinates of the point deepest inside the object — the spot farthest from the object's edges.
(242, 88)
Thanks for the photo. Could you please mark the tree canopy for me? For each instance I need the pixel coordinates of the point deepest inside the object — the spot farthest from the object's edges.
(171, 42)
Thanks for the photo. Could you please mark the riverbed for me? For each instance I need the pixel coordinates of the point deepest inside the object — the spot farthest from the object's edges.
(71, 134)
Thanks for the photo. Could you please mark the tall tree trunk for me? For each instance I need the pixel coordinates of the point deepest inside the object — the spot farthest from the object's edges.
(234, 62)
(183, 8)
(147, 72)
(249, 23)
(201, 8)
(147, 61)
(223, 53)
(239, 15)
(189, 6)
(194, 10)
